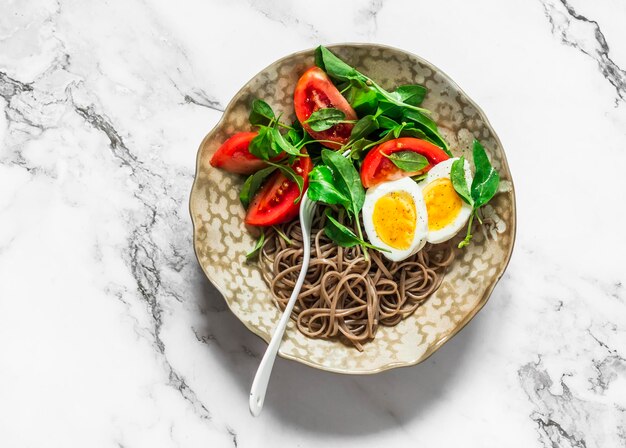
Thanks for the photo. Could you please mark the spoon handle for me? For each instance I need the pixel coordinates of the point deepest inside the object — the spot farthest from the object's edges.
(262, 377)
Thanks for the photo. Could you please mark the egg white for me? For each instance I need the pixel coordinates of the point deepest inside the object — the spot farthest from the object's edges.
(442, 170)
(421, 226)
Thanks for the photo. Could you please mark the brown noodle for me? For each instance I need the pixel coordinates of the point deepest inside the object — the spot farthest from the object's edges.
(345, 295)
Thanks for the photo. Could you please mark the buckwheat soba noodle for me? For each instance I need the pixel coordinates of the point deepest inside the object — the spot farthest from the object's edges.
(346, 295)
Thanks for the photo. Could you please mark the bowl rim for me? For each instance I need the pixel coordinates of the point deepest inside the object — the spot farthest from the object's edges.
(488, 291)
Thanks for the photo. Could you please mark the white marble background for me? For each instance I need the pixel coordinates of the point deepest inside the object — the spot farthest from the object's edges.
(111, 337)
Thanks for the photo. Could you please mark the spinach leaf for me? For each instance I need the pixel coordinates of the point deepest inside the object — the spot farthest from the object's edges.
(412, 94)
(334, 66)
(280, 143)
(346, 178)
(362, 98)
(419, 177)
(457, 176)
(344, 236)
(339, 233)
(358, 146)
(486, 179)
(261, 145)
(428, 126)
(387, 123)
(257, 248)
(364, 127)
(252, 184)
(261, 113)
(322, 187)
(326, 118)
(484, 186)
(390, 110)
(409, 161)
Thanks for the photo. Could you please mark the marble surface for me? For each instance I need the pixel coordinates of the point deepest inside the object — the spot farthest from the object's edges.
(111, 337)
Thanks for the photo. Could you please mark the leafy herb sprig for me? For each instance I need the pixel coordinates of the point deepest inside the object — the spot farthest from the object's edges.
(374, 102)
(337, 182)
(484, 185)
(277, 149)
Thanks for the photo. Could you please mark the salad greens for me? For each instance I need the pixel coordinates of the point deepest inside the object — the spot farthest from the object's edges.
(323, 119)
(252, 185)
(335, 180)
(257, 247)
(483, 188)
(271, 145)
(365, 95)
(408, 161)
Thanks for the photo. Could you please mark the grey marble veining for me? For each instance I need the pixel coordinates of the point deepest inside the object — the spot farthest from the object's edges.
(109, 333)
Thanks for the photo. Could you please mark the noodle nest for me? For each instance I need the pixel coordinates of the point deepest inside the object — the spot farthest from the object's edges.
(347, 295)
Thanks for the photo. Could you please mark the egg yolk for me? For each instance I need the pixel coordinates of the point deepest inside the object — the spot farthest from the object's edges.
(394, 219)
(443, 204)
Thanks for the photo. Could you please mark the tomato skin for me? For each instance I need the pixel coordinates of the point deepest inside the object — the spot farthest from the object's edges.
(274, 202)
(377, 168)
(233, 156)
(315, 91)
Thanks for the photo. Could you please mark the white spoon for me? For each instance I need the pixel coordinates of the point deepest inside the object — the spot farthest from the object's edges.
(262, 377)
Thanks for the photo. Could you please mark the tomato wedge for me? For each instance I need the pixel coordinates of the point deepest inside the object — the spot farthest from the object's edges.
(377, 168)
(274, 203)
(233, 156)
(315, 91)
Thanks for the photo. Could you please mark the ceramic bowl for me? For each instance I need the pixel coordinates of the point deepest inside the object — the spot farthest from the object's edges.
(221, 240)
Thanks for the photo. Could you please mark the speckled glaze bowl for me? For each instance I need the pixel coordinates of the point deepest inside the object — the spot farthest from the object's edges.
(221, 240)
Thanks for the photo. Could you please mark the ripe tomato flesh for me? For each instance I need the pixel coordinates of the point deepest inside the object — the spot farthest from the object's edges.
(274, 203)
(316, 91)
(233, 156)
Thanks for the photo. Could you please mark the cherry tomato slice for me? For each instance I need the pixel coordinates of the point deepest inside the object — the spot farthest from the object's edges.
(233, 156)
(315, 91)
(274, 203)
(377, 168)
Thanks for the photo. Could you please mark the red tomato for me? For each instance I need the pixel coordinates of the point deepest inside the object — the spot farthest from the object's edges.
(274, 203)
(315, 91)
(233, 156)
(377, 168)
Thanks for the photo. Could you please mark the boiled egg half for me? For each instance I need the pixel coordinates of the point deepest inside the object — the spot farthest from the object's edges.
(447, 212)
(395, 219)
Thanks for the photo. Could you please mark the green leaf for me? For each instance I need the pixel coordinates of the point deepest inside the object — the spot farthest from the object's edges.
(357, 147)
(322, 187)
(280, 143)
(364, 127)
(409, 161)
(260, 145)
(257, 248)
(420, 177)
(412, 94)
(347, 179)
(486, 179)
(252, 184)
(261, 113)
(291, 175)
(326, 118)
(387, 123)
(389, 110)
(343, 235)
(334, 66)
(459, 182)
(282, 235)
(339, 233)
(428, 126)
(362, 97)
(293, 136)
